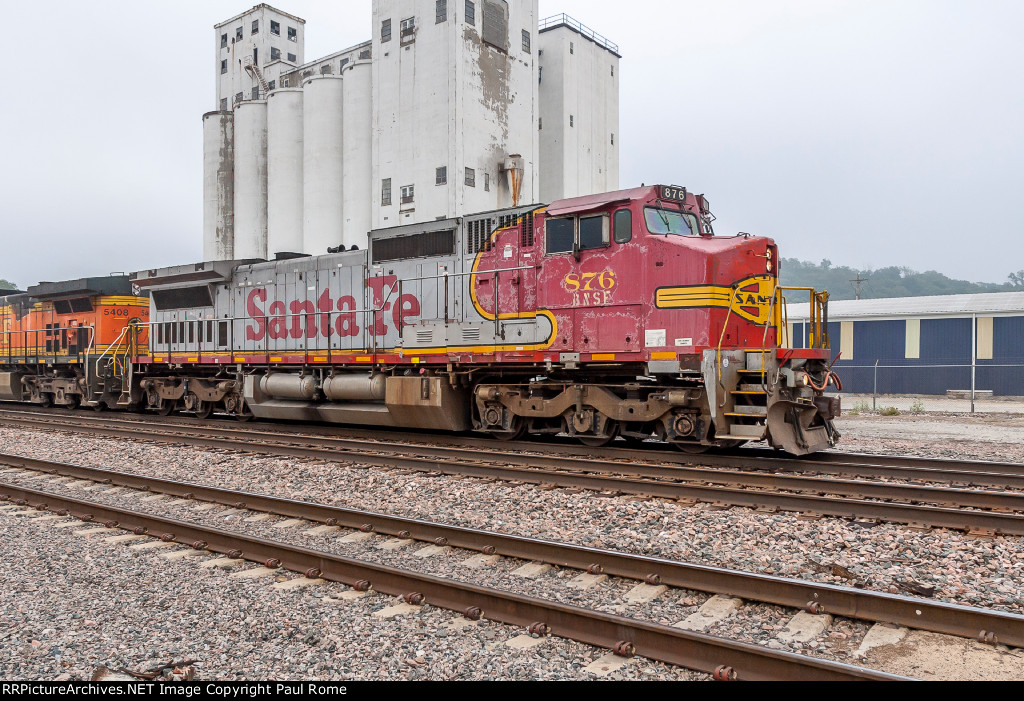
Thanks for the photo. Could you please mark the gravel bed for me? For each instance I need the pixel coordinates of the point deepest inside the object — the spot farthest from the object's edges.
(73, 603)
(979, 572)
(754, 623)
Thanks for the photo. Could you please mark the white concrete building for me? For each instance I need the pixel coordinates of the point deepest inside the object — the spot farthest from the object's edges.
(579, 110)
(444, 112)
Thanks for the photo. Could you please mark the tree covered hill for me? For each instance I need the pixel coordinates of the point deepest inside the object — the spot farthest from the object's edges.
(5, 285)
(884, 282)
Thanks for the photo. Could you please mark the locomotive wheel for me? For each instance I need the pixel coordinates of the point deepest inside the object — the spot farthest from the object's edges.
(204, 410)
(166, 407)
(244, 418)
(99, 406)
(47, 400)
(692, 448)
(600, 441)
(73, 402)
(518, 431)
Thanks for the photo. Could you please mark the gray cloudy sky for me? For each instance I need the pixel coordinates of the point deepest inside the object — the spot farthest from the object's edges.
(869, 132)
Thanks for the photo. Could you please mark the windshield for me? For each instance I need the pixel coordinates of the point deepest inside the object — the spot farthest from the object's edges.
(665, 221)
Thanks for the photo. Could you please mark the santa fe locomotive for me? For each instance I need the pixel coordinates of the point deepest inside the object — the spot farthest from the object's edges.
(619, 314)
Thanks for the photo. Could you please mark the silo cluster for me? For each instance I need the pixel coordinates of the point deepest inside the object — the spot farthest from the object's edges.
(290, 173)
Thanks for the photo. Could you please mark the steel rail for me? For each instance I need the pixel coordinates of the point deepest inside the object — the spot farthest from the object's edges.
(977, 473)
(653, 641)
(921, 614)
(943, 496)
(898, 512)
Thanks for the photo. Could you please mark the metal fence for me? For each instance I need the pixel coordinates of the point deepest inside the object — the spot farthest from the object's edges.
(919, 389)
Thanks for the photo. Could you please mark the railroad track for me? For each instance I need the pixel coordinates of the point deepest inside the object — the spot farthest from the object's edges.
(973, 510)
(940, 470)
(726, 659)
(922, 614)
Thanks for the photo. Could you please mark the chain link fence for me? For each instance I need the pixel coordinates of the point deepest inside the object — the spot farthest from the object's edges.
(920, 389)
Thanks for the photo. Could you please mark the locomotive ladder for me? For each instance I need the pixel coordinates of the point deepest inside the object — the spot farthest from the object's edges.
(115, 361)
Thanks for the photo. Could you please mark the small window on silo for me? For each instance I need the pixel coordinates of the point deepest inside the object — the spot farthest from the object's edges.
(293, 34)
(470, 12)
(223, 40)
(275, 54)
(470, 177)
(223, 104)
(238, 34)
(441, 176)
(275, 28)
(385, 192)
(408, 194)
(272, 85)
(440, 11)
(255, 26)
(526, 41)
(385, 30)
(487, 182)
(291, 58)
(408, 27)
(223, 67)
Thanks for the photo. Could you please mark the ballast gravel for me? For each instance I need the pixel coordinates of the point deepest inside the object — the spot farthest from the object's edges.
(174, 607)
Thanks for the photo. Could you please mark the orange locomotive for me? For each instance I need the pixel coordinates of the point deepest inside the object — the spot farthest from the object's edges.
(65, 343)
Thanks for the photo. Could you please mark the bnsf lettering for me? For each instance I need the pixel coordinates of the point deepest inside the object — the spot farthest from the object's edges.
(326, 318)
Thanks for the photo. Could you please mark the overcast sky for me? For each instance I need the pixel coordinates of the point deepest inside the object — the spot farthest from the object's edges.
(868, 132)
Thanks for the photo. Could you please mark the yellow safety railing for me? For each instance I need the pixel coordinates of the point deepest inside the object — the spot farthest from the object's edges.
(778, 318)
(817, 318)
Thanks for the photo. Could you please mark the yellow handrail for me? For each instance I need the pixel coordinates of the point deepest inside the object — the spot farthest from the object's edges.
(721, 339)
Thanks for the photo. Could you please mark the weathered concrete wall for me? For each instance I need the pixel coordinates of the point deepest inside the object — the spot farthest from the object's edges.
(251, 180)
(284, 171)
(579, 97)
(218, 186)
(236, 79)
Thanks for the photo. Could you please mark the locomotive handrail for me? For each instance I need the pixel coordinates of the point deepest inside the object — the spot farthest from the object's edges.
(114, 346)
(330, 314)
(817, 316)
(721, 339)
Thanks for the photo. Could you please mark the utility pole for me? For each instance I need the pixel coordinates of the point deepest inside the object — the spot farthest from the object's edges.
(858, 282)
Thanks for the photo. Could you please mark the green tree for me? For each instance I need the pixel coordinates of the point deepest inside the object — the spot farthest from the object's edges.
(894, 281)
(6, 285)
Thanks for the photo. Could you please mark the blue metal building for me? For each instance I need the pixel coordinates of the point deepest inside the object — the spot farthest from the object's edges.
(925, 345)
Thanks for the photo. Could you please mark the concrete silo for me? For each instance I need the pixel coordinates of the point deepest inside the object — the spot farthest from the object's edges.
(218, 186)
(251, 180)
(284, 171)
(323, 164)
(358, 145)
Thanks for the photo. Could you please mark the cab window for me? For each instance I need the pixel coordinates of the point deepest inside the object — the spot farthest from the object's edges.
(623, 226)
(561, 233)
(669, 223)
(593, 232)
(572, 234)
